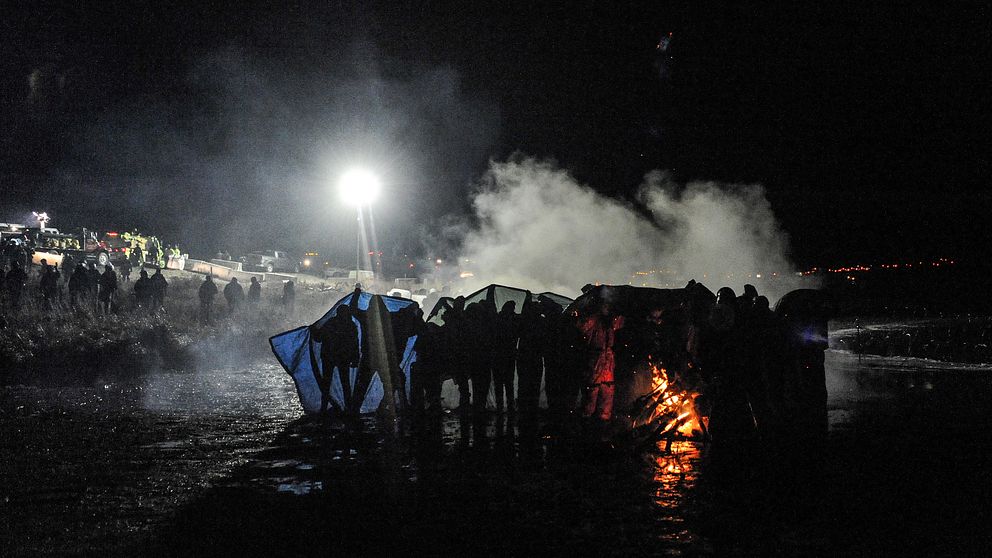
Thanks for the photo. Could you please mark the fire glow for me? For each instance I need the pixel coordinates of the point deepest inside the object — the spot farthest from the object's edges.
(670, 405)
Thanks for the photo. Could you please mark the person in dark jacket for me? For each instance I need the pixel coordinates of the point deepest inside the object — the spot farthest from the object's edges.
(93, 281)
(49, 284)
(14, 283)
(254, 291)
(530, 357)
(339, 349)
(206, 293)
(505, 356)
(234, 294)
(478, 355)
(125, 266)
(289, 297)
(425, 375)
(78, 285)
(159, 286)
(143, 290)
(108, 287)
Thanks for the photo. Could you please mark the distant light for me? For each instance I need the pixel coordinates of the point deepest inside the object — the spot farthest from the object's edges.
(306, 262)
(758, 276)
(438, 261)
(466, 274)
(359, 187)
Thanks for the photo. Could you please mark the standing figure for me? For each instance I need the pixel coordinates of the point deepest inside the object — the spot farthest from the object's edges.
(125, 266)
(339, 348)
(599, 333)
(234, 294)
(78, 285)
(108, 286)
(530, 357)
(143, 290)
(49, 284)
(289, 297)
(206, 293)
(478, 353)
(14, 283)
(254, 291)
(425, 375)
(92, 281)
(505, 355)
(159, 287)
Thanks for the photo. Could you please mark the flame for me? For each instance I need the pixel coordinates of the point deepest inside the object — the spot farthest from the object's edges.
(673, 404)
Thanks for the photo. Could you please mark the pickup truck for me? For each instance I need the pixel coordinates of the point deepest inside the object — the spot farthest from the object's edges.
(270, 261)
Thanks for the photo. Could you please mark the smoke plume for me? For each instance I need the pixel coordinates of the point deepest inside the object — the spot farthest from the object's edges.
(538, 228)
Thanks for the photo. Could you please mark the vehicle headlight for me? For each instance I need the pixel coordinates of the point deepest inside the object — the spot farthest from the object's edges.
(306, 262)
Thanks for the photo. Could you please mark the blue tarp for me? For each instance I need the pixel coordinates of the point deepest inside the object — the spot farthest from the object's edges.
(299, 354)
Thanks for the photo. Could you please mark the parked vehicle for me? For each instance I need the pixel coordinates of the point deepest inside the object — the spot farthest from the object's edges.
(270, 261)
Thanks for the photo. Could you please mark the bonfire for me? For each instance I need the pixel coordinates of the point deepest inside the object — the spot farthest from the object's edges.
(669, 409)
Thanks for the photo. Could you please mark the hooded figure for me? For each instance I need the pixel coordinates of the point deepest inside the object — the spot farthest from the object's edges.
(159, 286)
(234, 294)
(254, 291)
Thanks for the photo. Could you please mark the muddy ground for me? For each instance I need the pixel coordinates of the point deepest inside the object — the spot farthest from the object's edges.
(219, 461)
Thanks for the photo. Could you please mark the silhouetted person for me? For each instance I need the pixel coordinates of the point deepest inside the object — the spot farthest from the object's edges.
(108, 287)
(405, 324)
(732, 422)
(92, 281)
(125, 267)
(154, 253)
(339, 349)
(49, 285)
(289, 297)
(136, 257)
(14, 283)
(530, 356)
(254, 291)
(459, 341)
(143, 290)
(478, 352)
(68, 266)
(234, 294)
(505, 356)
(425, 375)
(804, 314)
(78, 285)
(159, 286)
(206, 293)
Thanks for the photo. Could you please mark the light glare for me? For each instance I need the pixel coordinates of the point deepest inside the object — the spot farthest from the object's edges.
(359, 187)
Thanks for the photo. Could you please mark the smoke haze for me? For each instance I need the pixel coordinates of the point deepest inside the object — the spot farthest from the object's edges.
(538, 228)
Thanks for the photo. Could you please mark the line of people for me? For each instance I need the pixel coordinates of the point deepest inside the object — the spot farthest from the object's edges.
(486, 350)
(234, 295)
(81, 285)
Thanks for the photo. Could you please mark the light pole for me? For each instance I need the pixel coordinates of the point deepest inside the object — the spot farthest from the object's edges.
(359, 187)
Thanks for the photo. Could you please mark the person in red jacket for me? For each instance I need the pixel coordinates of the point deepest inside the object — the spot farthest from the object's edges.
(599, 333)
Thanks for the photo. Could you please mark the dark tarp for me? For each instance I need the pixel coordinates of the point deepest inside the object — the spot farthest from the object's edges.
(299, 354)
(496, 296)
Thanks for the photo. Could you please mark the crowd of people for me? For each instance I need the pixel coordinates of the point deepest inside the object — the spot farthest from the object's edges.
(76, 285)
(79, 285)
(752, 372)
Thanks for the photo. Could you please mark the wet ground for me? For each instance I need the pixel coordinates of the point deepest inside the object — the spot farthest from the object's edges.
(219, 462)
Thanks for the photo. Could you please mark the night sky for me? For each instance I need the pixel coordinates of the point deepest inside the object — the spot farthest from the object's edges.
(867, 124)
